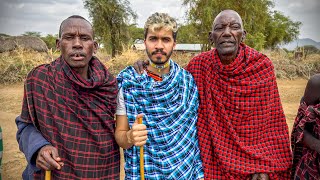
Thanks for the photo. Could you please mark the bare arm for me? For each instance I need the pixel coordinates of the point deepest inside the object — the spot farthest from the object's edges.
(127, 137)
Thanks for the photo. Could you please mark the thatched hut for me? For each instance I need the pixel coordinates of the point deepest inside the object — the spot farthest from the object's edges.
(25, 42)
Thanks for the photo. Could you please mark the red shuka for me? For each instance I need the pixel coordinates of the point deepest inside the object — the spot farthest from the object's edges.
(241, 125)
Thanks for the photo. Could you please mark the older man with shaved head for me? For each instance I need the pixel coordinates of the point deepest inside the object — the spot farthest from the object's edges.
(242, 129)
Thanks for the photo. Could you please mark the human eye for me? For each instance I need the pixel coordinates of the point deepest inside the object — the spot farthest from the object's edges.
(235, 26)
(166, 40)
(218, 28)
(68, 37)
(85, 38)
(152, 39)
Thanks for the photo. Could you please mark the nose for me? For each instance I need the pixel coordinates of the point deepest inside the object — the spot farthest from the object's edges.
(159, 45)
(77, 43)
(227, 31)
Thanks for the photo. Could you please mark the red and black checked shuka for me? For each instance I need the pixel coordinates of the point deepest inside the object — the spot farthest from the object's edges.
(76, 116)
(241, 125)
(306, 162)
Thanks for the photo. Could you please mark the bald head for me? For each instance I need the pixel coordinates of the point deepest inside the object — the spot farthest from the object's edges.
(228, 13)
(71, 18)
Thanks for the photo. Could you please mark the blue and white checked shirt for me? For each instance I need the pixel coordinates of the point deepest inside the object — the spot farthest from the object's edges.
(170, 114)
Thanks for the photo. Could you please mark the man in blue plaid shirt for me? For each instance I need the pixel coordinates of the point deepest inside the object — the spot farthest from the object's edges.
(166, 96)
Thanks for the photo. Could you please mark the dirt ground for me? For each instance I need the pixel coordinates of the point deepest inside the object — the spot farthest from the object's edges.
(10, 102)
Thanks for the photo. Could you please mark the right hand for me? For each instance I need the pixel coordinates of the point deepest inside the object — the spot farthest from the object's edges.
(137, 135)
(48, 158)
(140, 65)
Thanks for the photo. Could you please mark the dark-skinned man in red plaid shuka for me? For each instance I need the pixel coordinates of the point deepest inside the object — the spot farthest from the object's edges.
(67, 119)
(241, 126)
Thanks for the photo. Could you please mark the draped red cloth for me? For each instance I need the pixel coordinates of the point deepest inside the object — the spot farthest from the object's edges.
(76, 116)
(242, 129)
(306, 162)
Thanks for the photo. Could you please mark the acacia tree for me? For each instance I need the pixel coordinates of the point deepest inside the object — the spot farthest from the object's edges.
(111, 19)
(280, 30)
(32, 33)
(256, 16)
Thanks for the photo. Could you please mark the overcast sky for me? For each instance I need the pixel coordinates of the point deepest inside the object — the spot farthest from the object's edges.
(45, 16)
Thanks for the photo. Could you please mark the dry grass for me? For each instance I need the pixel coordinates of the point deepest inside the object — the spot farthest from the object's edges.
(15, 65)
(286, 67)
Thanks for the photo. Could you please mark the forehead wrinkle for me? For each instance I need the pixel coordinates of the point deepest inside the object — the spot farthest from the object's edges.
(230, 14)
(79, 28)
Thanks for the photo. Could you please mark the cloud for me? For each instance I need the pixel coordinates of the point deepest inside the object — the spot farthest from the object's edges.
(305, 11)
(45, 16)
(144, 10)
(42, 16)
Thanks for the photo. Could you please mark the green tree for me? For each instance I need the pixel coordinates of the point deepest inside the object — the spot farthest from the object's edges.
(135, 32)
(4, 35)
(256, 16)
(111, 19)
(50, 40)
(280, 29)
(32, 33)
(188, 34)
(310, 49)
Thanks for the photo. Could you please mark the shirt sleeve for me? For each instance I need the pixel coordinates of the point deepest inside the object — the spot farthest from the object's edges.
(30, 141)
(121, 107)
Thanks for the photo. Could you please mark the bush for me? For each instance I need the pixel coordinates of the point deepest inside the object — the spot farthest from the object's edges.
(15, 65)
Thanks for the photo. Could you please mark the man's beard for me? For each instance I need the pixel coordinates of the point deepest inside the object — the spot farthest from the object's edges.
(158, 61)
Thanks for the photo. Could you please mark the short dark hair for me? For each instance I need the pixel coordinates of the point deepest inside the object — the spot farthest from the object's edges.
(71, 17)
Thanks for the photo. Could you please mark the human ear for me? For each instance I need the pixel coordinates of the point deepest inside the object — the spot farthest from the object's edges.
(243, 35)
(58, 44)
(95, 48)
(210, 38)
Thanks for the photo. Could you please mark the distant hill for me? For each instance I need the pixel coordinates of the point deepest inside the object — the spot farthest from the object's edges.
(301, 42)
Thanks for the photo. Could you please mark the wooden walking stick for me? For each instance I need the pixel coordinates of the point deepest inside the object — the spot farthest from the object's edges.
(141, 156)
(48, 175)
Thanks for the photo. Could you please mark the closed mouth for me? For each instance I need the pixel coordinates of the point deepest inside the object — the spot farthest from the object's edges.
(227, 42)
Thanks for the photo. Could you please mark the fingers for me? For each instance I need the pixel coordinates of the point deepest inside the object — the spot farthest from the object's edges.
(255, 177)
(48, 158)
(55, 154)
(260, 176)
(264, 176)
(138, 133)
(139, 66)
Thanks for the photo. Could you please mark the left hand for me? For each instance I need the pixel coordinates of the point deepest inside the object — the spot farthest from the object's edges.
(260, 176)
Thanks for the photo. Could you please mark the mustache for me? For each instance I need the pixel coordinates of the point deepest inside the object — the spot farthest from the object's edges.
(78, 53)
(157, 51)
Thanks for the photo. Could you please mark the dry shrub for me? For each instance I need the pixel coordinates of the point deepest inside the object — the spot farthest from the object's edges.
(286, 67)
(15, 65)
(118, 63)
